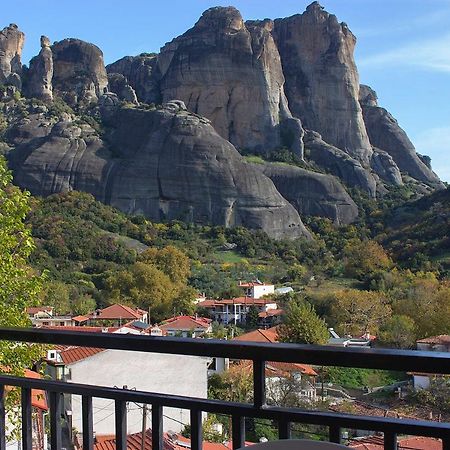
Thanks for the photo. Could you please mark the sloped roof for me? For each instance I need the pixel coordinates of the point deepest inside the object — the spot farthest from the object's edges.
(269, 335)
(80, 318)
(410, 443)
(236, 301)
(185, 323)
(72, 354)
(304, 369)
(118, 311)
(443, 339)
(36, 309)
(271, 313)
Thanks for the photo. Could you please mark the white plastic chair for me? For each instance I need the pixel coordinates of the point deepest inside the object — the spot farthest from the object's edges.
(295, 444)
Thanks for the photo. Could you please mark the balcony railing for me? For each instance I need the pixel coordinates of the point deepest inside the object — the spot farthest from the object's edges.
(414, 361)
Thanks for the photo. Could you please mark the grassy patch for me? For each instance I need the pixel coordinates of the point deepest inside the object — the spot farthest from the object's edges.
(254, 159)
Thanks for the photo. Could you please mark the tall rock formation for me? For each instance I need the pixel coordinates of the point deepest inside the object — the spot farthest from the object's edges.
(11, 44)
(312, 193)
(167, 164)
(79, 72)
(322, 81)
(138, 71)
(40, 74)
(386, 134)
(231, 73)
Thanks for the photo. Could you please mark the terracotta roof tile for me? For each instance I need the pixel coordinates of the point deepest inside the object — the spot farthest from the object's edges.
(118, 311)
(269, 335)
(236, 301)
(71, 355)
(441, 339)
(36, 309)
(410, 443)
(185, 323)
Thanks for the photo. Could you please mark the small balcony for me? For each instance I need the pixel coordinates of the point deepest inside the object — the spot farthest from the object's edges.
(258, 353)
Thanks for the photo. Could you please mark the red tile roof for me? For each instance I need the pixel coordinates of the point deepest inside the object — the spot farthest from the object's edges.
(38, 397)
(133, 442)
(80, 328)
(443, 339)
(269, 335)
(271, 313)
(411, 443)
(252, 284)
(71, 354)
(185, 323)
(35, 309)
(80, 318)
(304, 369)
(236, 301)
(116, 311)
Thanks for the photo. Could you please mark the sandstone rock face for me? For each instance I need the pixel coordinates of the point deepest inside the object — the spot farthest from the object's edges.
(79, 72)
(40, 74)
(339, 163)
(11, 44)
(322, 82)
(386, 134)
(138, 72)
(229, 72)
(311, 193)
(119, 85)
(168, 164)
(384, 166)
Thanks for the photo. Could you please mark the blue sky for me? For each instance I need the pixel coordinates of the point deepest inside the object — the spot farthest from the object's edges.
(403, 48)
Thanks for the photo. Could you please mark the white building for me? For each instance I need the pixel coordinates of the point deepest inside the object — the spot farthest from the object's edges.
(256, 289)
(153, 372)
(235, 310)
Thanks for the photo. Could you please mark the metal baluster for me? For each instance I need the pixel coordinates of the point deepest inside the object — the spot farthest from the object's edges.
(390, 441)
(196, 430)
(27, 430)
(2, 418)
(238, 432)
(88, 423)
(157, 427)
(259, 383)
(55, 420)
(121, 425)
(284, 429)
(335, 434)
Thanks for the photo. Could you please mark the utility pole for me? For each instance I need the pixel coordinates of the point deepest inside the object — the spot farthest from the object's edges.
(144, 426)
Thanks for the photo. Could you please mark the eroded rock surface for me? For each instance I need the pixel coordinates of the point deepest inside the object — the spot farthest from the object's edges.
(167, 164)
(230, 72)
(138, 70)
(40, 74)
(312, 193)
(386, 134)
(79, 72)
(339, 163)
(11, 44)
(322, 82)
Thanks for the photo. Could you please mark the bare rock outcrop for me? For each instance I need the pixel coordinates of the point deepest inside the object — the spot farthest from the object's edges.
(138, 71)
(40, 74)
(322, 82)
(339, 163)
(230, 72)
(312, 193)
(386, 134)
(119, 85)
(11, 44)
(167, 164)
(79, 73)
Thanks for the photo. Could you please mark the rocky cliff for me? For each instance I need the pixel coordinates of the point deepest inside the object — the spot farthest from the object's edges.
(322, 82)
(11, 44)
(386, 134)
(165, 164)
(257, 86)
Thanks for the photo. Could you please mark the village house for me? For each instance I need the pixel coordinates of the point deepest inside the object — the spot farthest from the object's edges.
(302, 376)
(115, 315)
(256, 289)
(43, 316)
(186, 326)
(439, 343)
(128, 370)
(235, 310)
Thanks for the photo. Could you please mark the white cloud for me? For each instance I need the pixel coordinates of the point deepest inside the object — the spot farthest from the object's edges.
(432, 54)
(435, 142)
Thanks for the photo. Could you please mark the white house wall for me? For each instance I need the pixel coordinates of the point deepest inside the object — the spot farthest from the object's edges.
(170, 374)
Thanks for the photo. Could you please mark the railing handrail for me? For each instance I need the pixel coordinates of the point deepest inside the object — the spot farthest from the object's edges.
(387, 359)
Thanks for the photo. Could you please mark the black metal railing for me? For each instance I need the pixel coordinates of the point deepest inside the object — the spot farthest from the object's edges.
(259, 353)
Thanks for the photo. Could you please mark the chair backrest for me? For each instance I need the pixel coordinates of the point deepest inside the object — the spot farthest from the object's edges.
(295, 444)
